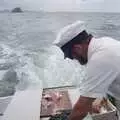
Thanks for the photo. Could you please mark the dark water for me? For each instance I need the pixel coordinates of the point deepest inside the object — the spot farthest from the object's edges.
(26, 48)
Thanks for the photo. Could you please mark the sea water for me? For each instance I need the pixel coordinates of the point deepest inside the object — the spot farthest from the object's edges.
(29, 59)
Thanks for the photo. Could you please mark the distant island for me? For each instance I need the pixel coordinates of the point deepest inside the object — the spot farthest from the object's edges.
(17, 10)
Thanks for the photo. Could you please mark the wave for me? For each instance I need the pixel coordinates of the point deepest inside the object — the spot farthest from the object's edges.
(17, 70)
(59, 71)
(21, 69)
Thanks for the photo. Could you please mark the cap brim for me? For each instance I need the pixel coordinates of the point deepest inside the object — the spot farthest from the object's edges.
(67, 50)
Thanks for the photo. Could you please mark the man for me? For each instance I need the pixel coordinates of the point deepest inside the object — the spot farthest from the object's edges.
(102, 59)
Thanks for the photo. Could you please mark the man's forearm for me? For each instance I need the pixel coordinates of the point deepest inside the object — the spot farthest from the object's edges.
(81, 108)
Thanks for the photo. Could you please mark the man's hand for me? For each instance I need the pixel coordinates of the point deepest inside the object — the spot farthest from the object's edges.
(81, 108)
(98, 103)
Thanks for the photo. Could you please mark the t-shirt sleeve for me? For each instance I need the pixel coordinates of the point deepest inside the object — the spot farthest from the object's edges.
(99, 76)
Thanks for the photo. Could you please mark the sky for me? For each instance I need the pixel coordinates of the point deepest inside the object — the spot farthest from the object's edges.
(64, 5)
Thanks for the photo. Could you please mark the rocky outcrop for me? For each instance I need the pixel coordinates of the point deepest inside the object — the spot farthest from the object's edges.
(17, 10)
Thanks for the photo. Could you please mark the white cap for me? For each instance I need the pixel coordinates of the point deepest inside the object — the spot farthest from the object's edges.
(68, 33)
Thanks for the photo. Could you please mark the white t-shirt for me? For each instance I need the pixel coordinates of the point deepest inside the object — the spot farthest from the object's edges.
(103, 69)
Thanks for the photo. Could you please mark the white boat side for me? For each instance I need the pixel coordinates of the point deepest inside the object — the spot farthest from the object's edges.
(25, 105)
(4, 101)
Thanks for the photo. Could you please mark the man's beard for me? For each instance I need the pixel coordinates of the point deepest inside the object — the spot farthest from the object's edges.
(83, 61)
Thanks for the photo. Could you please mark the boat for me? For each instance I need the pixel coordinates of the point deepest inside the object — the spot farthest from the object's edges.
(4, 102)
(107, 113)
(26, 105)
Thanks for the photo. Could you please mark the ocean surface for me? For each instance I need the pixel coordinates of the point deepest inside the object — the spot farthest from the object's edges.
(28, 58)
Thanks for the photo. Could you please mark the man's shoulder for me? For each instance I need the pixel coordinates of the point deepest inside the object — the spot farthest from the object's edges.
(105, 43)
(105, 38)
(99, 46)
(102, 41)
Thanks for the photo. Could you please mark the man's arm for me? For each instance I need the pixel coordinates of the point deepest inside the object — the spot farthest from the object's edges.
(100, 74)
(81, 108)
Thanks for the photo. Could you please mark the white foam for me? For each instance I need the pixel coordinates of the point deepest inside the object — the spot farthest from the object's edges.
(22, 64)
(59, 72)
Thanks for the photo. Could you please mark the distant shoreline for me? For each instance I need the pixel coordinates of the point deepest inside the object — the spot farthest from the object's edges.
(28, 11)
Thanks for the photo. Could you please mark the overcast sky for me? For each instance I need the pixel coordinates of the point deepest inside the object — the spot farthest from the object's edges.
(64, 5)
